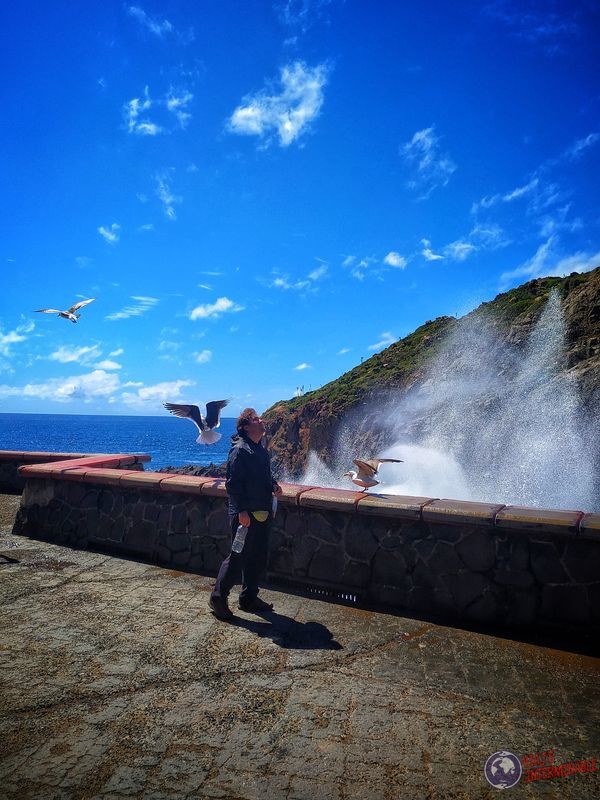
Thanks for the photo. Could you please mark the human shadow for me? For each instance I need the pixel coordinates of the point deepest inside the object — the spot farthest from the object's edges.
(288, 633)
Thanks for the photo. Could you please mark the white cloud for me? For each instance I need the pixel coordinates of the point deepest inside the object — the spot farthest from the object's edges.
(343, 351)
(283, 283)
(459, 250)
(489, 236)
(132, 111)
(14, 337)
(537, 24)
(481, 237)
(318, 273)
(521, 191)
(160, 28)
(289, 113)
(147, 227)
(558, 220)
(97, 383)
(580, 145)
(430, 167)
(167, 198)
(387, 338)
(203, 357)
(111, 235)
(175, 102)
(169, 347)
(142, 305)
(108, 364)
(358, 267)
(80, 355)
(299, 14)
(177, 105)
(394, 259)
(308, 283)
(157, 27)
(302, 366)
(159, 393)
(514, 194)
(214, 310)
(118, 352)
(428, 253)
(546, 263)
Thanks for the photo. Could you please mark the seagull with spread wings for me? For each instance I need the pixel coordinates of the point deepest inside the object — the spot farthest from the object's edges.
(69, 313)
(205, 424)
(365, 476)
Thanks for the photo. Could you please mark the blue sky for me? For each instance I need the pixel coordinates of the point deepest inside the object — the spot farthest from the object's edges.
(258, 195)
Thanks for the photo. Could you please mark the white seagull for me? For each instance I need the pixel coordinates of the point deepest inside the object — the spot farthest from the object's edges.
(69, 313)
(367, 470)
(204, 424)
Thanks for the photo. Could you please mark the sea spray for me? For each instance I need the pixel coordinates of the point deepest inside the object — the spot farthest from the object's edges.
(493, 420)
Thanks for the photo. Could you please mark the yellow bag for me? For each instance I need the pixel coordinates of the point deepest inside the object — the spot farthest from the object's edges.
(260, 516)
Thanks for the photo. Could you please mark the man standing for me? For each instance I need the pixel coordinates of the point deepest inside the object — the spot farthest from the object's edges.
(250, 489)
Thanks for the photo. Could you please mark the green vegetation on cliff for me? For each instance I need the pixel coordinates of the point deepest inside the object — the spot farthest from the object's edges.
(405, 361)
(393, 366)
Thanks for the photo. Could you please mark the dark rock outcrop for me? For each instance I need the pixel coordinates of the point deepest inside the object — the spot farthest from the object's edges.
(211, 471)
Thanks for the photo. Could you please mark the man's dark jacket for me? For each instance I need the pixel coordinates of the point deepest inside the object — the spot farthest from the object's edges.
(249, 481)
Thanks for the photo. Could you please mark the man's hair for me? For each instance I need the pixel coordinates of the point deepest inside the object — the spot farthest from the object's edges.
(244, 419)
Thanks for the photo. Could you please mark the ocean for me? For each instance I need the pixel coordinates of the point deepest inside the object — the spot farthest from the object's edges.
(168, 440)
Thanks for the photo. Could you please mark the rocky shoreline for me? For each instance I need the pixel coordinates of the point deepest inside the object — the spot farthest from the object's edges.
(211, 471)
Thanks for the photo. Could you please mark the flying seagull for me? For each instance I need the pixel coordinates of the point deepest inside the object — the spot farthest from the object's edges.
(204, 424)
(367, 470)
(70, 312)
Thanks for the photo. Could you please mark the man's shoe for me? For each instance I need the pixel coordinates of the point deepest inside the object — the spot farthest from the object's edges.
(256, 604)
(220, 608)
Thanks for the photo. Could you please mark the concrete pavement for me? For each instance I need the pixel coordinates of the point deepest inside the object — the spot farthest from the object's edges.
(119, 683)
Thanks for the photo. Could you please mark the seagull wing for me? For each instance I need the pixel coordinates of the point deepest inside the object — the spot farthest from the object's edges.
(379, 461)
(366, 469)
(80, 304)
(186, 411)
(213, 413)
(47, 311)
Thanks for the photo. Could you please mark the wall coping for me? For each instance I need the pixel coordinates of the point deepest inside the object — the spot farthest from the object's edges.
(33, 456)
(110, 469)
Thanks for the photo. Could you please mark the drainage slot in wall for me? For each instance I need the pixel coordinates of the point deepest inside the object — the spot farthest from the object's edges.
(332, 593)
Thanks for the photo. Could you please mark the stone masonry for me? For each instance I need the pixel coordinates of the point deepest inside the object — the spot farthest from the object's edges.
(455, 561)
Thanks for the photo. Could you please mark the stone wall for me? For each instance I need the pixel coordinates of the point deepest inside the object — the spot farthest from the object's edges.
(455, 560)
(12, 482)
(10, 461)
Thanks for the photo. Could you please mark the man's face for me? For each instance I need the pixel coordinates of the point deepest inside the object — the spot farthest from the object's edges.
(255, 427)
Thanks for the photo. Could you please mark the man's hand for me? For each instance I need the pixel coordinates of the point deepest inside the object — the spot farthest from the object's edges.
(277, 490)
(244, 519)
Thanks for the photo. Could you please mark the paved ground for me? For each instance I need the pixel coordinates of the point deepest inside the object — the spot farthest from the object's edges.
(118, 682)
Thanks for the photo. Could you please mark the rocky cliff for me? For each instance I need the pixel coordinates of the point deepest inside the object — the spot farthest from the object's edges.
(311, 422)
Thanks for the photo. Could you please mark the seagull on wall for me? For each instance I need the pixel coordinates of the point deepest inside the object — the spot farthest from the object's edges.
(205, 424)
(69, 313)
(367, 470)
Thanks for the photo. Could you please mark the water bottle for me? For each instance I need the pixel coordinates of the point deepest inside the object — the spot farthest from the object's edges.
(239, 540)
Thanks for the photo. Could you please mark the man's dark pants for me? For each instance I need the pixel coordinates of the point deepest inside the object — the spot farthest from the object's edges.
(245, 567)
